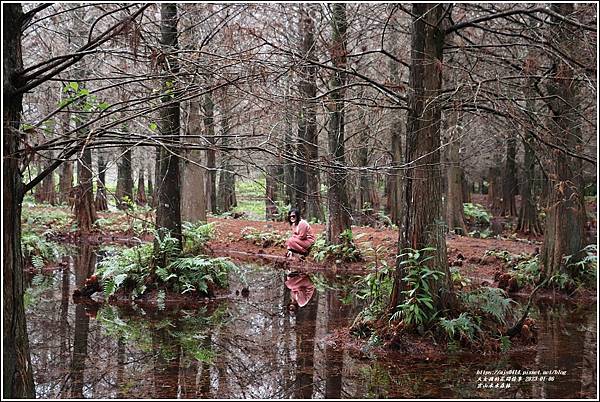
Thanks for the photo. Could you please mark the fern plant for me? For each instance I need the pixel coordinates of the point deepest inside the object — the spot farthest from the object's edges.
(262, 239)
(417, 308)
(196, 236)
(462, 328)
(345, 251)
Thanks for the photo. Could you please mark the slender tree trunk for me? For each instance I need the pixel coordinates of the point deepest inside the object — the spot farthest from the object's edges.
(101, 203)
(46, 189)
(211, 158)
(495, 187)
(271, 192)
(288, 165)
(565, 219)
(193, 199)
(17, 375)
(140, 198)
(307, 122)
(84, 199)
(368, 199)
(226, 192)
(455, 216)
(509, 180)
(65, 180)
(424, 224)
(395, 183)
(528, 214)
(337, 197)
(124, 179)
(168, 213)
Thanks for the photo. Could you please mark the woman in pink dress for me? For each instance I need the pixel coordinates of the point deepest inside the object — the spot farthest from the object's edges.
(302, 236)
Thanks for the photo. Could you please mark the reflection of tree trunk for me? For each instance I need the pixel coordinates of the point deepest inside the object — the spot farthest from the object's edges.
(334, 356)
(563, 352)
(166, 365)
(187, 377)
(306, 324)
(64, 322)
(121, 360)
(204, 386)
(84, 267)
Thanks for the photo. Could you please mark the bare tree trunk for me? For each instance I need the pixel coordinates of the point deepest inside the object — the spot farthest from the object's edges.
(65, 180)
(47, 192)
(565, 219)
(495, 187)
(288, 166)
(124, 179)
(395, 182)
(509, 180)
(337, 197)
(211, 159)
(17, 374)
(84, 199)
(309, 193)
(424, 223)
(193, 200)
(168, 212)
(528, 214)
(455, 216)
(101, 202)
(226, 192)
(271, 192)
(140, 197)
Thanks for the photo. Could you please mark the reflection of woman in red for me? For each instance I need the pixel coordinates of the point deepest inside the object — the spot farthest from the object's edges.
(302, 238)
(301, 289)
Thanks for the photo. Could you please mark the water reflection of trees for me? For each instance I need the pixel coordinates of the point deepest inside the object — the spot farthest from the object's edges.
(257, 349)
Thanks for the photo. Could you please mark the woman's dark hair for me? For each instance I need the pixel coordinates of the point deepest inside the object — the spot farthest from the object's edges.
(296, 212)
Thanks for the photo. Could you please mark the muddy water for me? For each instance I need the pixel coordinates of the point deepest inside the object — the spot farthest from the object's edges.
(254, 347)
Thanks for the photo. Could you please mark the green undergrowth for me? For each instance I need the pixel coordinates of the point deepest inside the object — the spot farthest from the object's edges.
(345, 251)
(38, 251)
(476, 214)
(263, 239)
(163, 265)
(473, 318)
(41, 218)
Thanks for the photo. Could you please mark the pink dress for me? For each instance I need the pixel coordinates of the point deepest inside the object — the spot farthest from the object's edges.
(302, 237)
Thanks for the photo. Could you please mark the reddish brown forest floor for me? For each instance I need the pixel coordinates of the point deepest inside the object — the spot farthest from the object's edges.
(475, 265)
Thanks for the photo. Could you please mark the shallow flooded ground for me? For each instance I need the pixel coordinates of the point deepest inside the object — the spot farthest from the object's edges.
(252, 346)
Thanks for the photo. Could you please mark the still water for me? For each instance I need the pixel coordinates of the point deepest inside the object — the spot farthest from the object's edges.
(252, 346)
